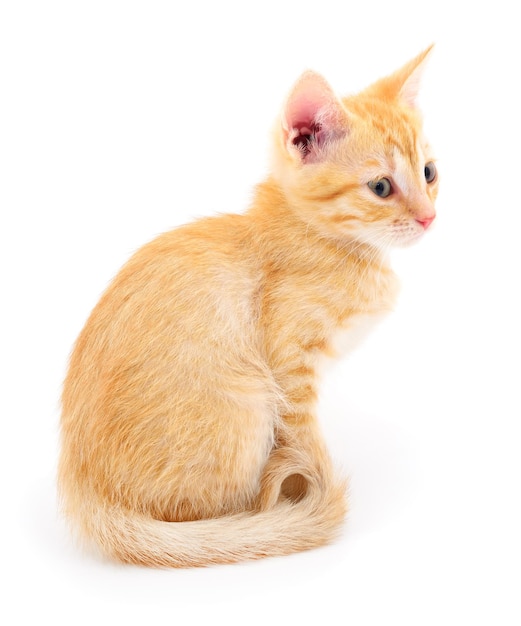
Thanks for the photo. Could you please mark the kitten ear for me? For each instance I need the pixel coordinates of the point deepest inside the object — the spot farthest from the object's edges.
(312, 116)
(404, 84)
(411, 75)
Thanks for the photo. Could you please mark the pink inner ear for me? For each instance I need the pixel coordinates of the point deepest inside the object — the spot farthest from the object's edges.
(310, 96)
(306, 131)
(308, 115)
(303, 111)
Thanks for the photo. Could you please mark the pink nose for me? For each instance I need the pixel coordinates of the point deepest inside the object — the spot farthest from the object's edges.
(425, 221)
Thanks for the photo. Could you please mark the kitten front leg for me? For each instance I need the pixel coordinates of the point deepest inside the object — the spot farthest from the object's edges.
(297, 329)
(300, 460)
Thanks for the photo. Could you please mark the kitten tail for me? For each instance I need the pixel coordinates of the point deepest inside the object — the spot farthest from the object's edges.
(278, 527)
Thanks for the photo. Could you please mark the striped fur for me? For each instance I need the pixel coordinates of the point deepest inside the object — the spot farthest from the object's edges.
(189, 434)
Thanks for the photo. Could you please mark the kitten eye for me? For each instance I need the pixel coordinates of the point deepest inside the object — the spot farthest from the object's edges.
(381, 187)
(430, 172)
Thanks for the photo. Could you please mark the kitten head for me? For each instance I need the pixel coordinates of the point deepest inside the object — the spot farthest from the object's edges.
(358, 168)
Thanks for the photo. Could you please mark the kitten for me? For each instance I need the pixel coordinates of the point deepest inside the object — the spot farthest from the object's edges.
(189, 434)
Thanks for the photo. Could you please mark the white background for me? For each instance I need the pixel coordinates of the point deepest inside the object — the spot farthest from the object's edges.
(119, 120)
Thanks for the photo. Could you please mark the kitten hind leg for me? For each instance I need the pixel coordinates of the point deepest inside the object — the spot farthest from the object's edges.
(223, 458)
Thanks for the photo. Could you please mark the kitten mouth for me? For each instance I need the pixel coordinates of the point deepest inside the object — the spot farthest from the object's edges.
(411, 237)
(405, 233)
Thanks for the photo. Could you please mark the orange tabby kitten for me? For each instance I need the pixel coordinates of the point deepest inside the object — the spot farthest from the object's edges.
(189, 434)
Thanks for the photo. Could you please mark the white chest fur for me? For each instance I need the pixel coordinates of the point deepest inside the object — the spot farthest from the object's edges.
(357, 326)
(353, 332)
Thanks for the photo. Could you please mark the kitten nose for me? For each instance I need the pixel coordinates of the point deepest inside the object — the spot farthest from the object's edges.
(425, 221)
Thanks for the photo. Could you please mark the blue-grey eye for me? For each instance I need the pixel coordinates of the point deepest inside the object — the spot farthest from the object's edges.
(381, 187)
(430, 172)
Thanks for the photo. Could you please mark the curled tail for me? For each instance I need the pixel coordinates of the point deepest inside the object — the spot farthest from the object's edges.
(296, 511)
